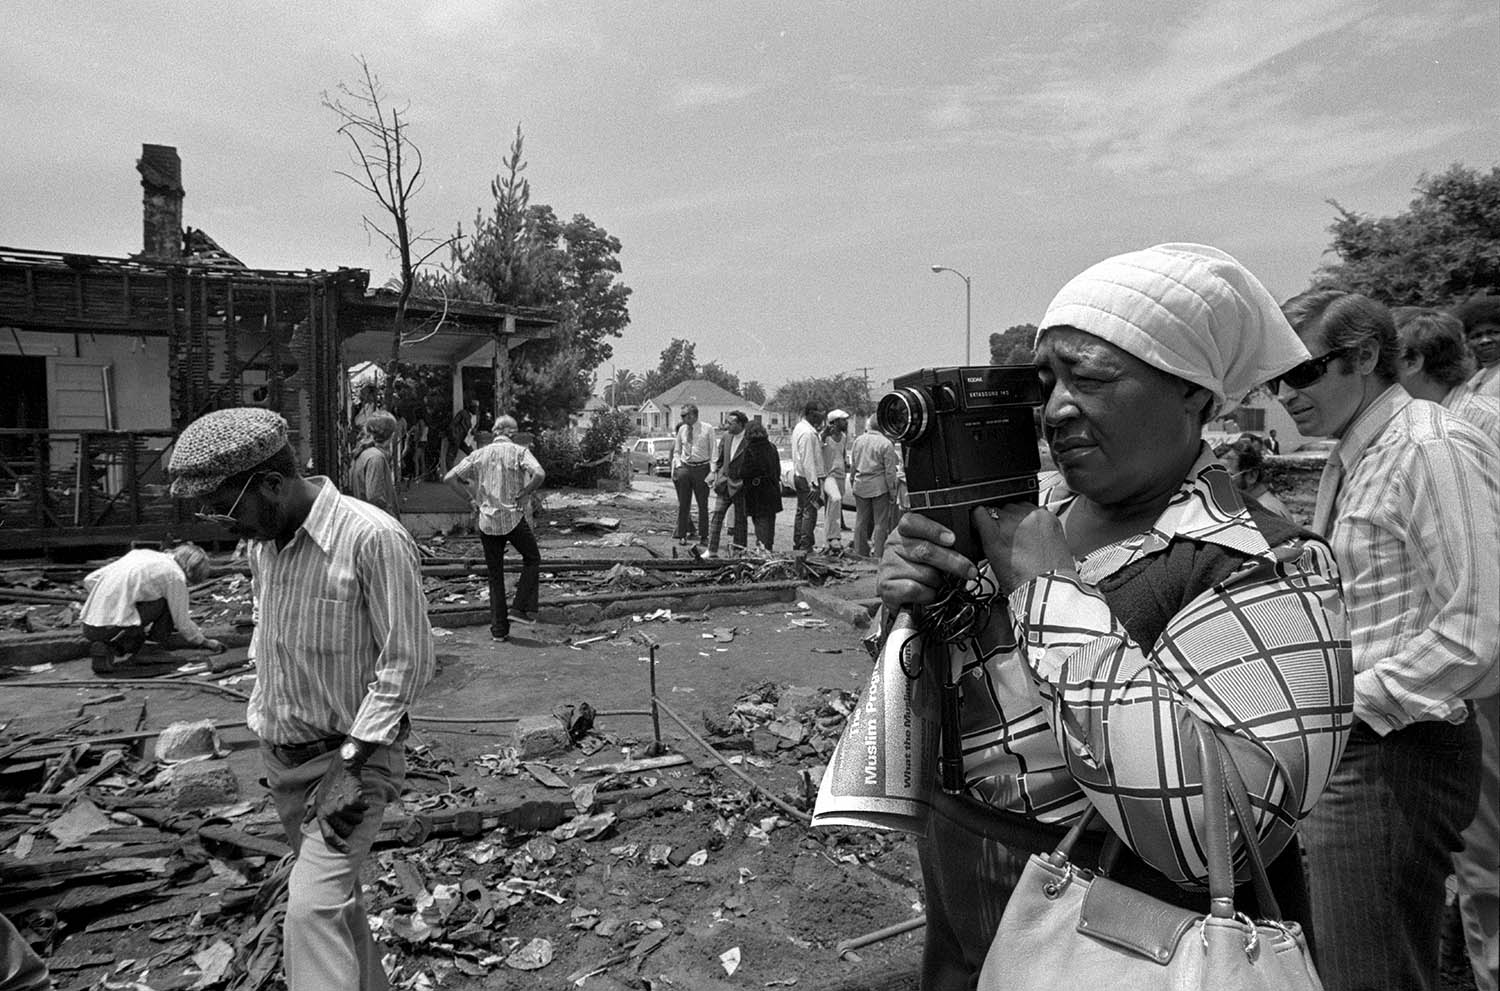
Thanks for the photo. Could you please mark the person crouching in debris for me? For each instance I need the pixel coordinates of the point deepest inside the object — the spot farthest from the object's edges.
(371, 476)
(343, 648)
(1116, 615)
(137, 608)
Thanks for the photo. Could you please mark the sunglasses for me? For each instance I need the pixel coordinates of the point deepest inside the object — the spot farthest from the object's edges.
(227, 519)
(1305, 374)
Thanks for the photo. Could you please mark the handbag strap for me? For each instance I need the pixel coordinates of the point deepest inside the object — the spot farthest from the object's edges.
(1239, 799)
(1221, 781)
(1224, 794)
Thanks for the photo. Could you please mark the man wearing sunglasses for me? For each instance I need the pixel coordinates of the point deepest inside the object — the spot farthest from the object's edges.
(342, 648)
(1410, 502)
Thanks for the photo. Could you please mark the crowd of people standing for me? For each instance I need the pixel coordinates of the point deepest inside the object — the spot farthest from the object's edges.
(742, 472)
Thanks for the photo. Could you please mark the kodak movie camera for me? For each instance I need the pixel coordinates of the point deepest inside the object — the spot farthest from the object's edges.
(970, 440)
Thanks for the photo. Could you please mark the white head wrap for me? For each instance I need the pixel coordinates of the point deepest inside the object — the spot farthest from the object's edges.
(1188, 309)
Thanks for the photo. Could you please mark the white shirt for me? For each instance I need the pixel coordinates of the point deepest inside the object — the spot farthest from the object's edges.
(807, 452)
(140, 576)
(693, 444)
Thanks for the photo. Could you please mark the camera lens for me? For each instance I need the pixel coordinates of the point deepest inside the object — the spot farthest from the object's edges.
(903, 415)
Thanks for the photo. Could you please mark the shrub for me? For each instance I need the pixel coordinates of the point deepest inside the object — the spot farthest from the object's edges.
(605, 435)
(558, 453)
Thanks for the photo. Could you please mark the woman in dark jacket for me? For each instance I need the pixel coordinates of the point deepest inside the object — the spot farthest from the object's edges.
(760, 470)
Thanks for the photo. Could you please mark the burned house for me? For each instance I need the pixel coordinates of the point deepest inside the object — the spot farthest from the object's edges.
(104, 360)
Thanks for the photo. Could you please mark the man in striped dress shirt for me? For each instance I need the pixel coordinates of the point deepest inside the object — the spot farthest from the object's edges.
(342, 647)
(1410, 501)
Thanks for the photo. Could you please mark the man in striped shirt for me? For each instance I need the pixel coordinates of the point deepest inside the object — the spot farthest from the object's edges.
(342, 648)
(1410, 501)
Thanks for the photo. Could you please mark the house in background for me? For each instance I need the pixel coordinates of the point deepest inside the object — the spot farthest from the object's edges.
(658, 415)
(104, 360)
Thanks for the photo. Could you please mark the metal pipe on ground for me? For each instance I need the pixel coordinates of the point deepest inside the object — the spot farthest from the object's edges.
(796, 814)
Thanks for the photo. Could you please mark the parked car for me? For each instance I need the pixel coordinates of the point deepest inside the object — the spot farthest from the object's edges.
(652, 454)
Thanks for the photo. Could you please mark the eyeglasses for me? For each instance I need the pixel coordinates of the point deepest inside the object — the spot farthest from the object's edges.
(1305, 374)
(227, 519)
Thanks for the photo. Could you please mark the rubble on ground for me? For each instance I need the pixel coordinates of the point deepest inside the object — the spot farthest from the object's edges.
(122, 887)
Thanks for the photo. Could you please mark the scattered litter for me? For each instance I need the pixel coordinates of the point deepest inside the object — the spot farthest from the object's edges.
(730, 959)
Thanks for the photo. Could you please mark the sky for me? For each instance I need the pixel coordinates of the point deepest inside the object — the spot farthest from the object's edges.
(782, 176)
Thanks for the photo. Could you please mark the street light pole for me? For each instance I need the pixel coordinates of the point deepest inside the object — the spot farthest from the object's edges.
(968, 312)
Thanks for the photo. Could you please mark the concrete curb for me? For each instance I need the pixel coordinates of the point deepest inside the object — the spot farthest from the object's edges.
(855, 612)
(590, 613)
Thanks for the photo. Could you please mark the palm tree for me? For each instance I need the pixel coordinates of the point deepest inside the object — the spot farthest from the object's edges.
(621, 390)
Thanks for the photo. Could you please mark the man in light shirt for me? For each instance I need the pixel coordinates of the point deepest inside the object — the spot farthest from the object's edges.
(692, 449)
(1410, 501)
(498, 478)
(342, 647)
(875, 467)
(807, 476)
(143, 597)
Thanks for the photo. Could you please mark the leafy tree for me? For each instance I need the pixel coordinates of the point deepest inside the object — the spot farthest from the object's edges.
(843, 391)
(1013, 345)
(1444, 248)
(755, 392)
(717, 374)
(549, 382)
(522, 255)
(678, 362)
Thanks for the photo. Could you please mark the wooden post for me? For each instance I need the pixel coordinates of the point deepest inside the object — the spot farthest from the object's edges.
(505, 399)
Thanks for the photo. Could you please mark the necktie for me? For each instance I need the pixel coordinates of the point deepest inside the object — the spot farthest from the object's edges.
(1328, 490)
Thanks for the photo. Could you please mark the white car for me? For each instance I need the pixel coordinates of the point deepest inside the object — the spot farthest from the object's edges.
(652, 454)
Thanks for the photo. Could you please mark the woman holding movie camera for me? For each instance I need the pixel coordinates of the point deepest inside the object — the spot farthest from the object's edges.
(1140, 597)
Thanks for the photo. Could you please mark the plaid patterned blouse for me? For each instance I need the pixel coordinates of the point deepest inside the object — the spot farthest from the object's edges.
(1080, 709)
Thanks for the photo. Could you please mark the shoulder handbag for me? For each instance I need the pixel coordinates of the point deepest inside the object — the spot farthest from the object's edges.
(1065, 928)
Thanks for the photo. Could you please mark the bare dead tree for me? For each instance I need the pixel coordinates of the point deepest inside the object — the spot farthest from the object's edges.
(388, 165)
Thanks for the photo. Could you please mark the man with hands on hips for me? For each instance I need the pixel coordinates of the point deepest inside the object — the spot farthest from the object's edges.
(343, 647)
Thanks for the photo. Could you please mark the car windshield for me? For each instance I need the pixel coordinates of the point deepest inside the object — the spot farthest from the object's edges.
(663, 446)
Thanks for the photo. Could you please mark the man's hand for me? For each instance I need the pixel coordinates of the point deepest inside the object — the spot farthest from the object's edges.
(338, 805)
(214, 646)
(919, 561)
(1021, 542)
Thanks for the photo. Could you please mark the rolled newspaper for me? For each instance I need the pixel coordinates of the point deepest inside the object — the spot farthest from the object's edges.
(884, 769)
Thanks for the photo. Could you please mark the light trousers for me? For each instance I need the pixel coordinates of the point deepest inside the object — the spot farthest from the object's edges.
(327, 941)
(833, 510)
(872, 524)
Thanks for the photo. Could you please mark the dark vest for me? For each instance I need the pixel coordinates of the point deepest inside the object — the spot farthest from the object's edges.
(1147, 593)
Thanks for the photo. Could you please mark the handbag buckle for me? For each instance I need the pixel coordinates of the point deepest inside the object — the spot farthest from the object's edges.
(1054, 889)
(1252, 935)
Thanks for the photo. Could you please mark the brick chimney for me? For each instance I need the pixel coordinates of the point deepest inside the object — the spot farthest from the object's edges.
(161, 185)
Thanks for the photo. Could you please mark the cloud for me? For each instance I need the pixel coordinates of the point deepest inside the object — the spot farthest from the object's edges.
(1282, 90)
(697, 94)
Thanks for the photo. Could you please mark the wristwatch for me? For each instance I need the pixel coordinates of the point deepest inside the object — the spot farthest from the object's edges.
(354, 752)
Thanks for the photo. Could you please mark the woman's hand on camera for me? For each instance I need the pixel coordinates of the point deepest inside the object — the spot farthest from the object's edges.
(919, 560)
(1021, 542)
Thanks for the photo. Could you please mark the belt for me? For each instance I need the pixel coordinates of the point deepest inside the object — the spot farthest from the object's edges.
(296, 754)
